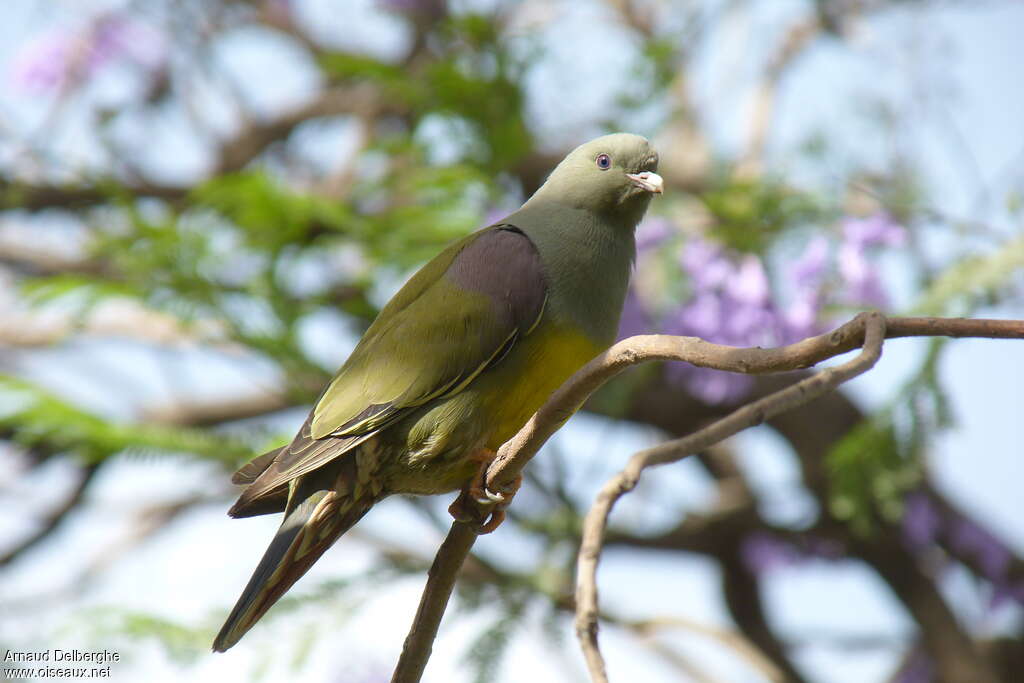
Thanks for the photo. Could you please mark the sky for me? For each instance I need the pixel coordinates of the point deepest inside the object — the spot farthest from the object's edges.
(193, 571)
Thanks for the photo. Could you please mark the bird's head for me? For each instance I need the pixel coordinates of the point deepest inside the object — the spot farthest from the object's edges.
(610, 174)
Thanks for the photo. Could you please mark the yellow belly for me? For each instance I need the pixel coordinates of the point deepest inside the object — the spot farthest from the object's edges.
(525, 380)
(434, 444)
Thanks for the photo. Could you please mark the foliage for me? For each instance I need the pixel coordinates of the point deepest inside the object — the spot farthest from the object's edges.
(35, 418)
(308, 215)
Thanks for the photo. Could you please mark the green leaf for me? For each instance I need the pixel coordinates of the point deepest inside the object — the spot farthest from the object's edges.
(972, 281)
(37, 418)
(863, 468)
(486, 651)
(270, 215)
(82, 292)
(878, 462)
(184, 644)
(750, 214)
(348, 66)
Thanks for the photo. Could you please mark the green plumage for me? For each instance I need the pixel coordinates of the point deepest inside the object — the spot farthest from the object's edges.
(455, 363)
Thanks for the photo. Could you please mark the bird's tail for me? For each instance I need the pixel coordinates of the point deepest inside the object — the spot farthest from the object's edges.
(317, 515)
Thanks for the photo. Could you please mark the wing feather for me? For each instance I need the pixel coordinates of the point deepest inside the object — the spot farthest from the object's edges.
(459, 315)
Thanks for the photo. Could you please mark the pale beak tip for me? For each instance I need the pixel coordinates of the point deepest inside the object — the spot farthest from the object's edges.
(657, 183)
(649, 181)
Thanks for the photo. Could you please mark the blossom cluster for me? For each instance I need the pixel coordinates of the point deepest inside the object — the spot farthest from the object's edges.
(52, 61)
(762, 551)
(732, 300)
(925, 525)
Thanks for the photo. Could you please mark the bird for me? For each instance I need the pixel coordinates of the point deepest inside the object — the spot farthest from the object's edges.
(454, 364)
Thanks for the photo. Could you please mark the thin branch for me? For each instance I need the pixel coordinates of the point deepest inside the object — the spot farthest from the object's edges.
(952, 516)
(234, 154)
(148, 522)
(567, 400)
(949, 645)
(726, 637)
(866, 330)
(954, 327)
(873, 328)
(211, 412)
(793, 45)
(52, 521)
(440, 582)
(741, 590)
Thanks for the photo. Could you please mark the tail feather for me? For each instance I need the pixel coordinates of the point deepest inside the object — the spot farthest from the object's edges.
(248, 472)
(317, 516)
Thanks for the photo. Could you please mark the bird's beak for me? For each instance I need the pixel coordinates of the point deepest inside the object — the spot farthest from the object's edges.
(648, 181)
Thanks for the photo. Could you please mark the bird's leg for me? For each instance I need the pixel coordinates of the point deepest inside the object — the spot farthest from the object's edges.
(500, 499)
(476, 491)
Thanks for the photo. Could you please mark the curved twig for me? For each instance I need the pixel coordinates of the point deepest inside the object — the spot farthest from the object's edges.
(440, 582)
(749, 415)
(867, 330)
(56, 517)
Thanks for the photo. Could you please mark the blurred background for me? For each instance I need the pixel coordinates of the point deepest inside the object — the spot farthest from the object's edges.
(203, 204)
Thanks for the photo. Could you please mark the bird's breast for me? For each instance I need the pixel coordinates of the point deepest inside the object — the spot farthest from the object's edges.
(433, 447)
(517, 387)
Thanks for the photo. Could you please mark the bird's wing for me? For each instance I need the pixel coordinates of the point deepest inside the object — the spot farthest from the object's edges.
(459, 315)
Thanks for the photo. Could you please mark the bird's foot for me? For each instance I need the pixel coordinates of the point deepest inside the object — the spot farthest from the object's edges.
(479, 505)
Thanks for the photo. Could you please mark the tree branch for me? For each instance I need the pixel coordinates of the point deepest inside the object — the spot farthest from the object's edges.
(731, 640)
(440, 582)
(53, 520)
(872, 329)
(793, 45)
(212, 412)
(234, 154)
(955, 655)
(867, 330)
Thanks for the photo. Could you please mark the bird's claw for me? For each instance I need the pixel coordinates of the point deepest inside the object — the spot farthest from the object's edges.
(498, 501)
(464, 510)
(495, 519)
(495, 498)
(502, 497)
(460, 511)
(484, 514)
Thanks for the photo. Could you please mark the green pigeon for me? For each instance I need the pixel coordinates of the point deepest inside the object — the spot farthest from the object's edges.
(455, 364)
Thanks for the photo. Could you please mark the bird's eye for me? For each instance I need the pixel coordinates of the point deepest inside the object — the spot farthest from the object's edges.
(604, 162)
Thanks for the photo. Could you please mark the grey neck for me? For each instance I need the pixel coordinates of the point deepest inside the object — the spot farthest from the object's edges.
(587, 259)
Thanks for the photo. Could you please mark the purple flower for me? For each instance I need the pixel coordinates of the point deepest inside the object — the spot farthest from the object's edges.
(750, 284)
(917, 668)
(731, 299)
(494, 215)
(54, 59)
(800, 319)
(992, 556)
(652, 233)
(713, 387)
(863, 283)
(705, 263)
(42, 64)
(810, 266)
(876, 230)
(763, 552)
(116, 38)
(921, 521)
(635, 319)
(1006, 591)
(700, 317)
(731, 304)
